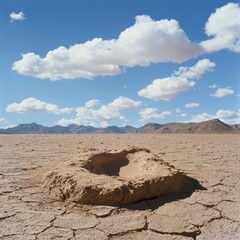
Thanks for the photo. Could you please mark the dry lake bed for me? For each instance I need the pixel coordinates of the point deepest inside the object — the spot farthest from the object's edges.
(28, 211)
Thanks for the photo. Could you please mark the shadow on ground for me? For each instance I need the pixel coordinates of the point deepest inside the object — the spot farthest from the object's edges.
(152, 204)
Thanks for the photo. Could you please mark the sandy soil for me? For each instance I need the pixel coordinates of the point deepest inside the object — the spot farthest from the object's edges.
(27, 211)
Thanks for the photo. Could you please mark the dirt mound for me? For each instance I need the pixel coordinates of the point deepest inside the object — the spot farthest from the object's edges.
(116, 178)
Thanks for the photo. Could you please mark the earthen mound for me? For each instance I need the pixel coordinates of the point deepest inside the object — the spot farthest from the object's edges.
(116, 178)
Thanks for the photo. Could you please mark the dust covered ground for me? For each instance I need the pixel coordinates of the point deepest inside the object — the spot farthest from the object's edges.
(27, 211)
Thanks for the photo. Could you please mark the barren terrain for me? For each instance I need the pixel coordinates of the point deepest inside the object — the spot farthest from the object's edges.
(27, 211)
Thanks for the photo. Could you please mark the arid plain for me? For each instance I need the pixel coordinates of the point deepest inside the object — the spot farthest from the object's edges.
(210, 212)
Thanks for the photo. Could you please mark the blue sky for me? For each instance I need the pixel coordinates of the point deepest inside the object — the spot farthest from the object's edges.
(119, 63)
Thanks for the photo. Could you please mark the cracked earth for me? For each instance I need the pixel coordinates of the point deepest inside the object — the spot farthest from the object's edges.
(27, 211)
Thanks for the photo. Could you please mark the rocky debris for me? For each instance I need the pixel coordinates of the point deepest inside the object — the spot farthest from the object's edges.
(115, 178)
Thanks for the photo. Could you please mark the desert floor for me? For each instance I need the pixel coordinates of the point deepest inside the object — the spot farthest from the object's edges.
(29, 212)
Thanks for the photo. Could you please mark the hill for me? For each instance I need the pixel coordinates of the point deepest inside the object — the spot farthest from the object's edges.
(211, 126)
(149, 128)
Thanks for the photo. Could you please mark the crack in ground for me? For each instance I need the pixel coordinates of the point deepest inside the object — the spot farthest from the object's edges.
(213, 206)
(6, 192)
(12, 235)
(2, 175)
(222, 217)
(8, 216)
(185, 234)
(145, 227)
(51, 225)
(101, 216)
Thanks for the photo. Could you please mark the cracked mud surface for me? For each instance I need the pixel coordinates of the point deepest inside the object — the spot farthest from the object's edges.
(27, 211)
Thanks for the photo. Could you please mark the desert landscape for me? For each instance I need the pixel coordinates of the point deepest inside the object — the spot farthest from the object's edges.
(210, 210)
(119, 120)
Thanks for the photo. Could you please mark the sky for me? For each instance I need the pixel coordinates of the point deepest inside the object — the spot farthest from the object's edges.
(104, 63)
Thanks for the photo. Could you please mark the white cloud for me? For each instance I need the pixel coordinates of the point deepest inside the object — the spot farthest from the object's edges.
(183, 114)
(196, 71)
(30, 105)
(165, 88)
(192, 105)
(222, 92)
(92, 103)
(202, 117)
(17, 16)
(2, 119)
(227, 116)
(3, 122)
(124, 103)
(147, 41)
(213, 86)
(9, 126)
(151, 113)
(178, 110)
(224, 27)
(102, 116)
(170, 87)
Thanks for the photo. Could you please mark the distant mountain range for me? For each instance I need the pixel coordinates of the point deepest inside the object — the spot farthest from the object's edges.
(211, 126)
(34, 128)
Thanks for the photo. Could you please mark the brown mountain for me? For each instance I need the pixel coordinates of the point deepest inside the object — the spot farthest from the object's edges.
(149, 128)
(33, 128)
(236, 126)
(211, 126)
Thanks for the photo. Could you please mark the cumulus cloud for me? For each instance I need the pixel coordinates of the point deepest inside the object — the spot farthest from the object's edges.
(213, 86)
(102, 116)
(147, 41)
(227, 116)
(197, 70)
(192, 105)
(165, 88)
(151, 113)
(202, 117)
(224, 28)
(92, 103)
(178, 110)
(17, 16)
(170, 87)
(124, 103)
(4, 123)
(3, 120)
(30, 105)
(222, 92)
